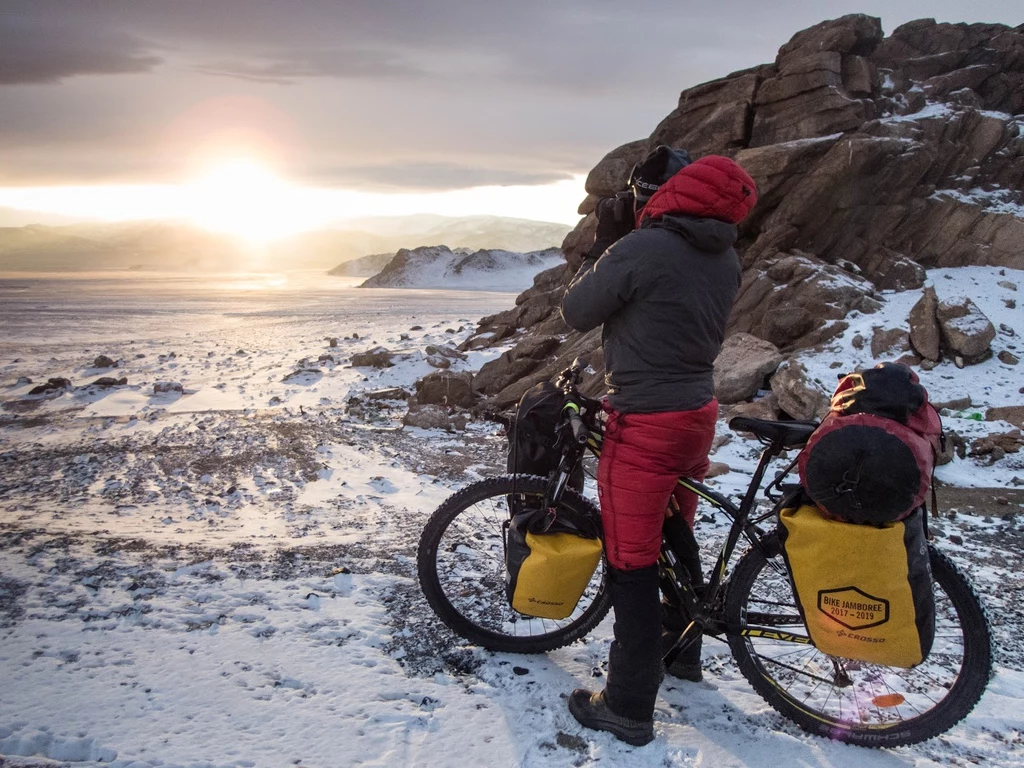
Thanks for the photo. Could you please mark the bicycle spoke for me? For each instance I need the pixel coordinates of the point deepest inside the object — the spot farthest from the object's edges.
(775, 662)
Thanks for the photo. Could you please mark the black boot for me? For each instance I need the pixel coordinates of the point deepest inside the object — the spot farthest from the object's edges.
(634, 662)
(591, 710)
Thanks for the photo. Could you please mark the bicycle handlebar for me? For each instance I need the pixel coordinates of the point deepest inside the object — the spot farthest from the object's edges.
(579, 430)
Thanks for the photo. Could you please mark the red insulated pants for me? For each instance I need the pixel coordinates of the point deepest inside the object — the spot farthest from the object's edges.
(643, 456)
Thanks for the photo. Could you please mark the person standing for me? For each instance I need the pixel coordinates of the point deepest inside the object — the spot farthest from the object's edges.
(663, 292)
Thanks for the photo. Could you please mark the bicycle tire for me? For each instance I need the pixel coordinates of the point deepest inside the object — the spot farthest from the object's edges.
(460, 562)
(955, 672)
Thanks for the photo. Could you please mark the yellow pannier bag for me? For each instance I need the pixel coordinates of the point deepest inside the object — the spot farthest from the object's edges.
(865, 591)
(549, 562)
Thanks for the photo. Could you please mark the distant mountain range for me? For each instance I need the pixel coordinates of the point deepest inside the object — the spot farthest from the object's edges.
(169, 246)
(442, 267)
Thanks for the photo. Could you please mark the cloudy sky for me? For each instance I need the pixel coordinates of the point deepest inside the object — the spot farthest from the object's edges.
(406, 96)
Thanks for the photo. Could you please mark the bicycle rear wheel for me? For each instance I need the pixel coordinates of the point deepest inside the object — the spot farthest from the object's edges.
(853, 701)
(461, 564)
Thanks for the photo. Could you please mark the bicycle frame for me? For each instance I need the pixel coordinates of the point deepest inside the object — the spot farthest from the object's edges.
(700, 610)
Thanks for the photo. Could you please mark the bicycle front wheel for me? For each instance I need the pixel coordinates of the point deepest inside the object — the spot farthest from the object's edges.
(461, 564)
(853, 701)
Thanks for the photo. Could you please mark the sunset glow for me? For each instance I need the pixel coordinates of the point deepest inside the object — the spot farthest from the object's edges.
(243, 197)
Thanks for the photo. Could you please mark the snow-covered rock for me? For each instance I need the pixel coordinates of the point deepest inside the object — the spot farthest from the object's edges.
(965, 329)
(441, 267)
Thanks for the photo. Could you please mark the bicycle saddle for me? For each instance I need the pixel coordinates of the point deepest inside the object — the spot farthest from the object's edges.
(791, 434)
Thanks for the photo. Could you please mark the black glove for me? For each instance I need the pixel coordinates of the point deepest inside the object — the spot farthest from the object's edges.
(615, 219)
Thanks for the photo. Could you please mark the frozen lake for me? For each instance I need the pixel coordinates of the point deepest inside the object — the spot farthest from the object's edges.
(118, 307)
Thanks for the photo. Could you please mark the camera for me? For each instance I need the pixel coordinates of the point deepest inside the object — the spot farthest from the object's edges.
(622, 207)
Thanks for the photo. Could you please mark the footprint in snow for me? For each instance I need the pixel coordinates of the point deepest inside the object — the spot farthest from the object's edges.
(382, 484)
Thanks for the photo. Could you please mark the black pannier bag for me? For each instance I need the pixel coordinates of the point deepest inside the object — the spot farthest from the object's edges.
(532, 435)
(550, 557)
(872, 458)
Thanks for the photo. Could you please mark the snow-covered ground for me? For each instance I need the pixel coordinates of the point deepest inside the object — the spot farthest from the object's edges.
(225, 576)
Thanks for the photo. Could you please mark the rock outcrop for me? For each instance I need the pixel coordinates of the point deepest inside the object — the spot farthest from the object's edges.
(876, 157)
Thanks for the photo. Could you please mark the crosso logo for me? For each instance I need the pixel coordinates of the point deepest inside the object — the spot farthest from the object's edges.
(853, 608)
(545, 602)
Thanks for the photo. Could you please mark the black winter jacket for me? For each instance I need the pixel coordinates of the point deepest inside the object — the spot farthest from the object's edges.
(664, 293)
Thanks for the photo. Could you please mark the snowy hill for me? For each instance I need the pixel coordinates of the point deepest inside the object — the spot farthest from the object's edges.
(367, 266)
(485, 270)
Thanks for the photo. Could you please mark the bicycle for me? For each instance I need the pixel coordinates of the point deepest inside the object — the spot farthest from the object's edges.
(461, 571)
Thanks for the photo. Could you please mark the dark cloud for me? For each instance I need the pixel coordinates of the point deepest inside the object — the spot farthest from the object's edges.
(398, 94)
(39, 50)
(569, 45)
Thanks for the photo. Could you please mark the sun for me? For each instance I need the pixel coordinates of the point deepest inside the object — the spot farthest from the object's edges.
(244, 198)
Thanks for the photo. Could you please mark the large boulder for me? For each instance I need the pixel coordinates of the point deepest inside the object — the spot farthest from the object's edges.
(443, 350)
(1014, 414)
(55, 385)
(892, 271)
(611, 174)
(106, 382)
(389, 393)
(996, 446)
(446, 388)
(437, 361)
(798, 396)
(925, 336)
(966, 331)
(889, 341)
(428, 416)
(742, 365)
(766, 408)
(378, 357)
(102, 361)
